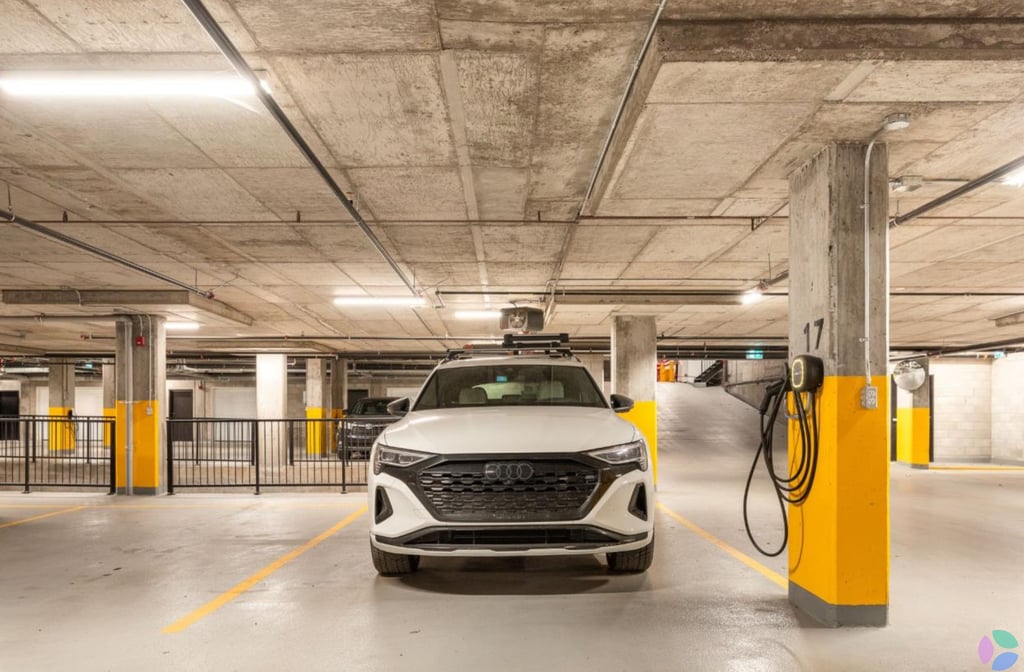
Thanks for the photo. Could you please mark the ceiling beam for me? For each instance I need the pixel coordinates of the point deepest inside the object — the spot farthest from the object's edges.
(155, 299)
(842, 40)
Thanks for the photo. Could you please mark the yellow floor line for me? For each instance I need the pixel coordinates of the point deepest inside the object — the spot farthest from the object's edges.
(973, 467)
(772, 576)
(222, 599)
(70, 509)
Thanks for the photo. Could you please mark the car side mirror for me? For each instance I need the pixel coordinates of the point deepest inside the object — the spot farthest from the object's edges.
(621, 403)
(399, 407)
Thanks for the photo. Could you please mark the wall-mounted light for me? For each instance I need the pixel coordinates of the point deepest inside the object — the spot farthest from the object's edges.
(477, 314)
(381, 301)
(182, 326)
(754, 295)
(126, 84)
(905, 183)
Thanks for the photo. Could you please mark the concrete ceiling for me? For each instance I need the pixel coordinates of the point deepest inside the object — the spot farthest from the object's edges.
(467, 133)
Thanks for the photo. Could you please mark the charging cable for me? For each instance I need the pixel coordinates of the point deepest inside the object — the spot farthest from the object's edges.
(794, 487)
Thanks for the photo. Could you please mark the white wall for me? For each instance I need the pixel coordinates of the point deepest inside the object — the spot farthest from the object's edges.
(1008, 409)
(234, 402)
(962, 409)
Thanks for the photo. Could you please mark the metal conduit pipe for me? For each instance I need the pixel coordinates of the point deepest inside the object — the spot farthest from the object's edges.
(11, 218)
(1001, 171)
(631, 82)
(238, 62)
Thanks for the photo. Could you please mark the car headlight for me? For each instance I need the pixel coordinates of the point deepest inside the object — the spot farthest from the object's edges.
(635, 452)
(396, 457)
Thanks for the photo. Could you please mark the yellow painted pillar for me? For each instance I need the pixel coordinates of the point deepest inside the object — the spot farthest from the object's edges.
(318, 407)
(61, 428)
(140, 387)
(839, 536)
(634, 367)
(914, 425)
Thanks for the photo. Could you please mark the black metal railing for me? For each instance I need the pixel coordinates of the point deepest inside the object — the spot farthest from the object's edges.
(56, 452)
(215, 453)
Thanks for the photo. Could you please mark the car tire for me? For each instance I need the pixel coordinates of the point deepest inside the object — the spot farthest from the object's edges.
(632, 561)
(393, 564)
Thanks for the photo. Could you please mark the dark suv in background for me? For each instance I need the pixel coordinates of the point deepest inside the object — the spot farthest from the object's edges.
(361, 425)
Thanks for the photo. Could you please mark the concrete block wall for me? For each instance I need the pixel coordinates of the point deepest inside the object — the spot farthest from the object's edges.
(740, 373)
(1008, 409)
(963, 405)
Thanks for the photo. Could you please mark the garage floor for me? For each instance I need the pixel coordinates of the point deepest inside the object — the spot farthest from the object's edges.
(111, 583)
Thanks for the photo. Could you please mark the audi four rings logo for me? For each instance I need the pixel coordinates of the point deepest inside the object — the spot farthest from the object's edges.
(508, 471)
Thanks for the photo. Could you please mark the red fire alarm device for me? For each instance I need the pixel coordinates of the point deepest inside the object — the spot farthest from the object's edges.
(140, 341)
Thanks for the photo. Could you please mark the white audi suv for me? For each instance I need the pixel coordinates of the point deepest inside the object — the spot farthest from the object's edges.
(511, 455)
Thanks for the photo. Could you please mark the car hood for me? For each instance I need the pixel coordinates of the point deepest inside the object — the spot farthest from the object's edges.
(509, 429)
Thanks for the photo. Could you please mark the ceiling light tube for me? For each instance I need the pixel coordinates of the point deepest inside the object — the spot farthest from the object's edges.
(126, 84)
(381, 301)
(477, 314)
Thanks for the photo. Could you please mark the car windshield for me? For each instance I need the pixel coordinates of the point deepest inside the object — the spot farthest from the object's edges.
(371, 406)
(510, 385)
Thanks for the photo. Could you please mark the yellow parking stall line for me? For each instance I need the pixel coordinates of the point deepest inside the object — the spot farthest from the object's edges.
(41, 516)
(772, 576)
(222, 599)
(241, 506)
(974, 467)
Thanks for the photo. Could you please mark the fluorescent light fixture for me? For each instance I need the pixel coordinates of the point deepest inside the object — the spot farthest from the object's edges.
(127, 84)
(1014, 179)
(905, 183)
(182, 326)
(477, 314)
(393, 301)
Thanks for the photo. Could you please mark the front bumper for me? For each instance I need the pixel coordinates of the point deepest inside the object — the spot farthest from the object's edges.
(611, 523)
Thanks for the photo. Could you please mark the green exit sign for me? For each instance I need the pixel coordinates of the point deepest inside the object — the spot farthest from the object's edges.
(755, 354)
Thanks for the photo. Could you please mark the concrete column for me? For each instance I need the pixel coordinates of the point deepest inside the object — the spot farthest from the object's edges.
(61, 433)
(318, 407)
(914, 424)
(839, 537)
(271, 387)
(339, 387)
(141, 410)
(634, 374)
(595, 364)
(109, 398)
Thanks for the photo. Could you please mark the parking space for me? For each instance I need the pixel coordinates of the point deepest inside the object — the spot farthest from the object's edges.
(284, 581)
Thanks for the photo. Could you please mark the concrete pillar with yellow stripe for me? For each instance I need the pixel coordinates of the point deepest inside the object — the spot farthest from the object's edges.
(140, 388)
(318, 407)
(839, 537)
(914, 423)
(109, 400)
(634, 373)
(61, 427)
(339, 387)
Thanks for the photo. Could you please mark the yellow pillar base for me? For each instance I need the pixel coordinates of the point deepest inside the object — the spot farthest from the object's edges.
(112, 414)
(61, 431)
(644, 415)
(913, 439)
(146, 462)
(317, 433)
(839, 537)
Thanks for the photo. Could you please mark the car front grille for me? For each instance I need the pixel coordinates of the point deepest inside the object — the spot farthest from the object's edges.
(463, 491)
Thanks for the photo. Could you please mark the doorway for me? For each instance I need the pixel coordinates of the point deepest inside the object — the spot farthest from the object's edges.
(10, 401)
(181, 409)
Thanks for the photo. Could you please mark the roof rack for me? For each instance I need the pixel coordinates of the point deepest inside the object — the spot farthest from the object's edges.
(553, 345)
